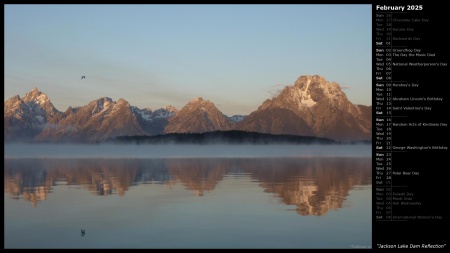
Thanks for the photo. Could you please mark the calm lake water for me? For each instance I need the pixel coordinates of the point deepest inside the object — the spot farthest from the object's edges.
(239, 200)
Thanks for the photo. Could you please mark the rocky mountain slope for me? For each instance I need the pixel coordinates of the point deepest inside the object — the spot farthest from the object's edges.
(25, 117)
(312, 106)
(198, 116)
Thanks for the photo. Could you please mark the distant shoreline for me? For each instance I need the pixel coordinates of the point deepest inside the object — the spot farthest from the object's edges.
(226, 137)
(230, 137)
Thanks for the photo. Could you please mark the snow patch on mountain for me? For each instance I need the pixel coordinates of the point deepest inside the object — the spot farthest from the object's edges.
(148, 115)
(237, 118)
(162, 113)
(145, 114)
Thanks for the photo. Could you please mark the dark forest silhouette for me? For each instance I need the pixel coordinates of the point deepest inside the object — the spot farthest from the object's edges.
(221, 137)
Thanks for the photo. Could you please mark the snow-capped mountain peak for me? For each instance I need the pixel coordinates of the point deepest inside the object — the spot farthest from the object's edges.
(317, 88)
(101, 104)
(24, 117)
(321, 104)
(312, 106)
(36, 96)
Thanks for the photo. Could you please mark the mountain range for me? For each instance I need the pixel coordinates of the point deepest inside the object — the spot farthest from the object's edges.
(312, 106)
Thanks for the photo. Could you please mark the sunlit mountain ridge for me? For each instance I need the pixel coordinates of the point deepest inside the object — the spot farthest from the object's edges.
(312, 106)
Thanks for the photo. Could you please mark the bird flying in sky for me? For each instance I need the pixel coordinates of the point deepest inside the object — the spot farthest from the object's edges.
(83, 77)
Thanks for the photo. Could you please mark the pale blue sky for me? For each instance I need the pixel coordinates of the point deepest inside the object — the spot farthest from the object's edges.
(236, 56)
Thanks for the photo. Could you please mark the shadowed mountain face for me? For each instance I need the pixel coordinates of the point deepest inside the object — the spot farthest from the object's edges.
(154, 122)
(34, 118)
(320, 107)
(276, 121)
(98, 120)
(311, 107)
(25, 117)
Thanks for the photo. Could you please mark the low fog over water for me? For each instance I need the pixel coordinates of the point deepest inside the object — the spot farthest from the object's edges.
(182, 151)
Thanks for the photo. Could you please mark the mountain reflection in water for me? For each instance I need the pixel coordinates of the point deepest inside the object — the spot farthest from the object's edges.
(314, 185)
